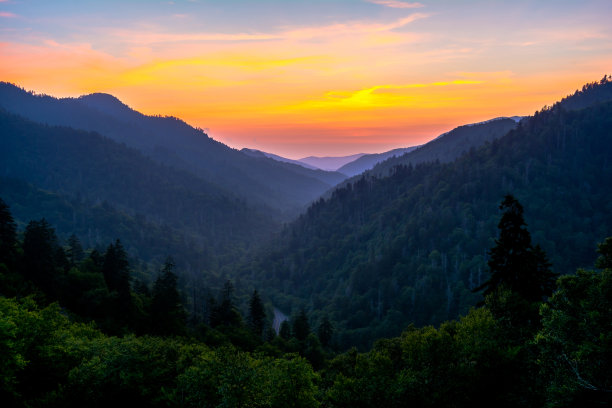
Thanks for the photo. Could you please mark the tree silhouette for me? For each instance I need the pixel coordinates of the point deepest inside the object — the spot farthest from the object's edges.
(257, 314)
(301, 328)
(514, 263)
(8, 235)
(167, 312)
(325, 331)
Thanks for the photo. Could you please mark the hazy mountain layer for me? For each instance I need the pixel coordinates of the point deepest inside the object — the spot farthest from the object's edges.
(284, 187)
(368, 161)
(90, 170)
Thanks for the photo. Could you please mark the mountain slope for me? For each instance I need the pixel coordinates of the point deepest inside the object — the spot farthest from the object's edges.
(328, 177)
(87, 167)
(331, 163)
(368, 161)
(451, 145)
(171, 141)
(383, 252)
(259, 153)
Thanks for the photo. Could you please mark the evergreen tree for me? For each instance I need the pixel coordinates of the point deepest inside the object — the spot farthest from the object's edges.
(226, 313)
(325, 331)
(301, 328)
(8, 235)
(115, 268)
(257, 314)
(75, 251)
(605, 258)
(167, 312)
(285, 330)
(40, 255)
(514, 263)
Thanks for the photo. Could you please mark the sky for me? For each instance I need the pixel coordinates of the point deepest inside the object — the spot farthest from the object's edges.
(300, 78)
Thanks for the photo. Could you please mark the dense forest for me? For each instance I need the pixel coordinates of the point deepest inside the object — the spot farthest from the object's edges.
(477, 273)
(75, 326)
(411, 247)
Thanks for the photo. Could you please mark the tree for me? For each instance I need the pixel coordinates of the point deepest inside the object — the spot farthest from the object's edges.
(257, 314)
(514, 263)
(605, 258)
(167, 312)
(576, 338)
(8, 235)
(285, 330)
(325, 331)
(224, 312)
(301, 328)
(75, 251)
(115, 269)
(40, 250)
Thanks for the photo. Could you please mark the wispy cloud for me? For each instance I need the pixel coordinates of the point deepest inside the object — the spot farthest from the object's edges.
(351, 28)
(285, 33)
(6, 14)
(396, 4)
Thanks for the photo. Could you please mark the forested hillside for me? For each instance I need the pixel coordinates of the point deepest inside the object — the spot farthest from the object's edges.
(75, 326)
(384, 252)
(100, 190)
(284, 187)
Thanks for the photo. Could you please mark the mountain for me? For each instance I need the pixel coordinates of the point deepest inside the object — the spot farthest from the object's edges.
(328, 177)
(331, 163)
(366, 162)
(382, 252)
(283, 187)
(88, 179)
(259, 153)
(450, 145)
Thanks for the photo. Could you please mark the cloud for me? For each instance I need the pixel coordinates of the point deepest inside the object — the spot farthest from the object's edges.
(350, 28)
(396, 4)
(286, 33)
(6, 14)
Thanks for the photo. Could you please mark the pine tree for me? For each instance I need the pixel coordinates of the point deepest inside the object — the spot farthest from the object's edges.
(605, 258)
(325, 331)
(257, 314)
(8, 235)
(40, 250)
(75, 251)
(226, 313)
(167, 312)
(284, 330)
(301, 328)
(115, 269)
(514, 263)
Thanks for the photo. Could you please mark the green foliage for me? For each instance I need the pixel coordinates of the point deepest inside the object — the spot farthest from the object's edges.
(257, 314)
(576, 340)
(301, 327)
(325, 332)
(410, 246)
(167, 312)
(514, 263)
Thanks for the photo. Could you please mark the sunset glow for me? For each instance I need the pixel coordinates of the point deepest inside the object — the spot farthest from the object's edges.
(318, 77)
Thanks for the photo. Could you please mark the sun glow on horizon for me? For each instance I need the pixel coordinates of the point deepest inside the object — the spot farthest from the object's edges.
(296, 79)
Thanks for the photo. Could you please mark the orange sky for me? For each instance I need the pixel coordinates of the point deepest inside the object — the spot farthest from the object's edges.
(294, 79)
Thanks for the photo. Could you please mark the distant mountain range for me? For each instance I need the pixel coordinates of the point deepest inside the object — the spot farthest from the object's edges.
(259, 153)
(367, 161)
(331, 163)
(284, 187)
